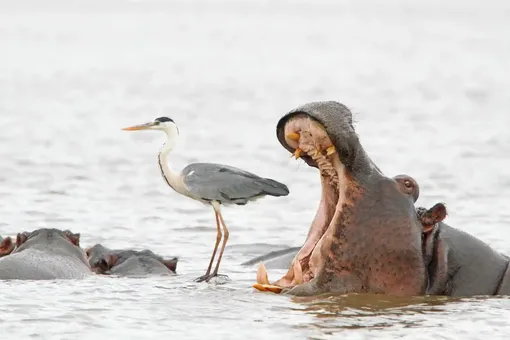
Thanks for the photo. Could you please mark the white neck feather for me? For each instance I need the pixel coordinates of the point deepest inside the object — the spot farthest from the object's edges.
(172, 178)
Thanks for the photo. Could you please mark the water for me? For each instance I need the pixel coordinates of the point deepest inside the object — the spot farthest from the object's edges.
(428, 83)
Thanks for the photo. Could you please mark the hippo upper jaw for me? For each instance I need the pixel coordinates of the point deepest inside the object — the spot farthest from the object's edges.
(364, 224)
(337, 120)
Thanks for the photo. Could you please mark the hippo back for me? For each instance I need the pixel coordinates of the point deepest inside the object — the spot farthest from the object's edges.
(45, 256)
(34, 264)
(474, 267)
(278, 259)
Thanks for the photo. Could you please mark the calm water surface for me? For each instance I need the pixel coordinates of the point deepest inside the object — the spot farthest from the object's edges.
(428, 83)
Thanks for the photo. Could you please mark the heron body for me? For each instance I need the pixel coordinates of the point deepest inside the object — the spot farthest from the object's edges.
(228, 185)
(210, 183)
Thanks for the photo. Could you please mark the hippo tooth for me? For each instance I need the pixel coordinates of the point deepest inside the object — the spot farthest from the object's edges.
(297, 153)
(268, 288)
(331, 150)
(298, 273)
(293, 136)
(262, 274)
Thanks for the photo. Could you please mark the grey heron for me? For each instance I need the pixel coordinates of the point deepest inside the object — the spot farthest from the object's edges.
(210, 183)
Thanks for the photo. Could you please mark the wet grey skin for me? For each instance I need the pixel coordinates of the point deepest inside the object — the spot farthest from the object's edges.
(462, 265)
(127, 262)
(45, 254)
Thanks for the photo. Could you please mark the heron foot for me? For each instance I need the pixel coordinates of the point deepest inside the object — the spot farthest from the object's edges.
(208, 277)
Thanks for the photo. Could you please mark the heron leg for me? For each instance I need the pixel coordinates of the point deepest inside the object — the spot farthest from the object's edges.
(207, 275)
(225, 239)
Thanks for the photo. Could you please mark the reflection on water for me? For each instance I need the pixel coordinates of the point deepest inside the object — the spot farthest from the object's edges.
(369, 304)
(371, 312)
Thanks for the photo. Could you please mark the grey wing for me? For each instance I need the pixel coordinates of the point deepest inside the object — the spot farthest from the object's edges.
(227, 184)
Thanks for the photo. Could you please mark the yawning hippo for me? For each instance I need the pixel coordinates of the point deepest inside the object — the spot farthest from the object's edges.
(45, 254)
(129, 262)
(6, 246)
(459, 264)
(366, 236)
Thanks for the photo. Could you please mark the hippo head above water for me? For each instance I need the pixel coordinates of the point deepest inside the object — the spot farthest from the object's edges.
(128, 262)
(23, 237)
(365, 237)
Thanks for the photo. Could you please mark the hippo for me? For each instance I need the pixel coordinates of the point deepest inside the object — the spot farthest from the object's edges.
(459, 264)
(282, 258)
(366, 237)
(129, 262)
(6, 246)
(45, 254)
(346, 251)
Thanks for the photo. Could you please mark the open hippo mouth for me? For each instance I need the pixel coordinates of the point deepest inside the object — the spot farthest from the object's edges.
(322, 135)
(307, 138)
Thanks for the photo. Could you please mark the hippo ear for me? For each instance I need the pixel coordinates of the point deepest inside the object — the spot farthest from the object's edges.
(5, 242)
(429, 218)
(21, 238)
(73, 238)
(438, 212)
(6, 246)
(171, 264)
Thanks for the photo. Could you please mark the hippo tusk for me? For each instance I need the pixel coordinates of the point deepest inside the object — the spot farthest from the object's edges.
(262, 274)
(263, 284)
(331, 150)
(293, 136)
(298, 153)
(268, 288)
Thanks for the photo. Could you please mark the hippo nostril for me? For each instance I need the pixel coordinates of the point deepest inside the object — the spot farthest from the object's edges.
(103, 264)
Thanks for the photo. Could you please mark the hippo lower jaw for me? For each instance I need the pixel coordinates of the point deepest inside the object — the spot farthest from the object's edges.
(313, 141)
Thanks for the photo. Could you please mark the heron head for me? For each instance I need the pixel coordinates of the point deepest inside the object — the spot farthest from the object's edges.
(162, 123)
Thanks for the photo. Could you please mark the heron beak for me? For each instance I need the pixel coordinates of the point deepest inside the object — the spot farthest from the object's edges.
(145, 126)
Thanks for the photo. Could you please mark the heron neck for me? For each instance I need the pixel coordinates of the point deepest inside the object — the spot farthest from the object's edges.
(171, 177)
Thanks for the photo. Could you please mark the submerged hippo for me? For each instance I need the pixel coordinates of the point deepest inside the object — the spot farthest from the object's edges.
(366, 236)
(45, 254)
(129, 262)
(459, 264)
(6, 246)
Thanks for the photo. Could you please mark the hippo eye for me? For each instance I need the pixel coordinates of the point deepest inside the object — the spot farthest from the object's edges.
(408, 184)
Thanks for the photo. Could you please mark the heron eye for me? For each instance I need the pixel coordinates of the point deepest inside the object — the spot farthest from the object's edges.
(408, 184)
(157, 122)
